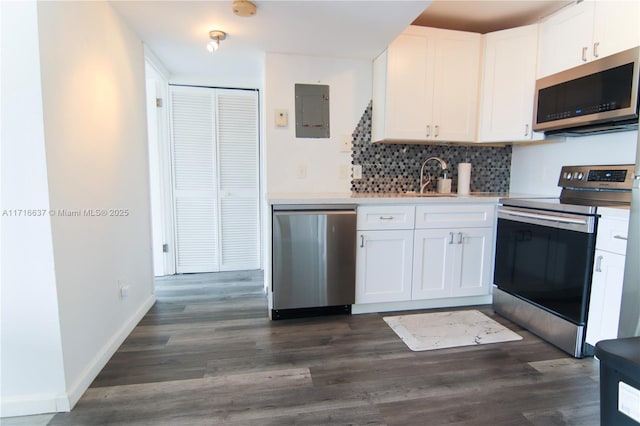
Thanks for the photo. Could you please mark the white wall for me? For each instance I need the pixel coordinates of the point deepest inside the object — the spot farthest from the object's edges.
(349, 83)
(244, 72)
(32, 376)
(93, 87)
(535, 168)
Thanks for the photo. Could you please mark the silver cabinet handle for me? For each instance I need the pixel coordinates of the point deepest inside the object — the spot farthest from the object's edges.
(450, 237)
(361, 240)
(599, 263)
(428, 130)
(595, 48)
(584, 54)
(437, 130)
(386, 217)
(460, 238)
(526, 129)
(620, 237)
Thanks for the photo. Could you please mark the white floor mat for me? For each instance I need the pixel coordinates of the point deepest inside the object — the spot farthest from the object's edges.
(438, 330)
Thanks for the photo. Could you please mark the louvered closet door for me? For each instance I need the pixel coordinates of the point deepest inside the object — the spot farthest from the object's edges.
(237, 135)
(216, 179)
(195, 190)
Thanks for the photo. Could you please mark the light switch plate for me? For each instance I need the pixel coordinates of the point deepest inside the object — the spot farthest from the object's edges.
(282, 117)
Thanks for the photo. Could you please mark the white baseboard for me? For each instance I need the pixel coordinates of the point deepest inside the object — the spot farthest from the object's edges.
(34, 404)
(368, 308)
(57, 403)
(79, 387)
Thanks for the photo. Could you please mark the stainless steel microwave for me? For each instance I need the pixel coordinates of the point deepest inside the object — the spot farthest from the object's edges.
(599, 96)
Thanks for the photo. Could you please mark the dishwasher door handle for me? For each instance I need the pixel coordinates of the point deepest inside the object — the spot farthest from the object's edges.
(312, 212)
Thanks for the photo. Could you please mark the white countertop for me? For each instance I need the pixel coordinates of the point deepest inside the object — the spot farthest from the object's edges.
(385, 198)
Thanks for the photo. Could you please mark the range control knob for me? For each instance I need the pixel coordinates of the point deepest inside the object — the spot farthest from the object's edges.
(575, 175)
(568, 175)
(580, 175)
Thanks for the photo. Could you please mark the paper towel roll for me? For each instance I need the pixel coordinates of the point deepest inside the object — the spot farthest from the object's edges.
(464, 178)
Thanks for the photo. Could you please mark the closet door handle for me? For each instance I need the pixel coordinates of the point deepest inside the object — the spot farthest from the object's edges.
(599, 263)
(595, 49)
(584, 54)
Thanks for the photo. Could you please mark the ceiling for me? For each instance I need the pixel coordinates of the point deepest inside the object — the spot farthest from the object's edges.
(484, 16)
(177, 31)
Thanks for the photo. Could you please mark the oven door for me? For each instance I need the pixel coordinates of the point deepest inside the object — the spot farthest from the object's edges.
(546, 258)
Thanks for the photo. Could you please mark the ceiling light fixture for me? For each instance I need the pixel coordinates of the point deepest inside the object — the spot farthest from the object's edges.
(215, 36)
(243, 8)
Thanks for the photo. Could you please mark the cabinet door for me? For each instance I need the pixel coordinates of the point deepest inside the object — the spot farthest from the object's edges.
(508, 90)
(563, 36)
(456, 86)
(616, 27)
(433, 258)
(606, 294)
(409, 86)
(384, 261)
(472, 275)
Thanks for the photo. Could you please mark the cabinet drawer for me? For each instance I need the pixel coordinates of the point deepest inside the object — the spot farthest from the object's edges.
(458, 216)
(385, 217)
(612, 234)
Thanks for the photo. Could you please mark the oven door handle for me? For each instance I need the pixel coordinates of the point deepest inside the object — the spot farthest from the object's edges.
(577, 223)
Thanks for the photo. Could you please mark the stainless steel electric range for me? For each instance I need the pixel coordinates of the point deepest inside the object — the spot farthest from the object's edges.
(545, 251)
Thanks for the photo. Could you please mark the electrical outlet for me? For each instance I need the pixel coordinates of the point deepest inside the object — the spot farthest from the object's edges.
(357, 171)
(124, 288)
(343, 171)
(301, 171)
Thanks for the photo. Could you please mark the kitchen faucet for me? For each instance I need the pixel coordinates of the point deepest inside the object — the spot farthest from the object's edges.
(443, 165)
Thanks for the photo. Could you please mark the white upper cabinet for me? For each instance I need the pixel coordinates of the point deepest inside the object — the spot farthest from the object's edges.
(508, 89)
(587, 31)
(425, 87)
(616, 27)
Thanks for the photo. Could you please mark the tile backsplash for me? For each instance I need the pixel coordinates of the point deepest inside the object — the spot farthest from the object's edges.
(396, 167)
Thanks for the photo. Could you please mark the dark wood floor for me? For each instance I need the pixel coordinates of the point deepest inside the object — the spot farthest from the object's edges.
(206, 354)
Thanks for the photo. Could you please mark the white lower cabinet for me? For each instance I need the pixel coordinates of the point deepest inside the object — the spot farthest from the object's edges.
(446, 253)
(608, 275)
(451, 262)
(383, 271)
(606, 293)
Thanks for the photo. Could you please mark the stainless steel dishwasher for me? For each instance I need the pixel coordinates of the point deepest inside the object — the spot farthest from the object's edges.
(314, 260)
